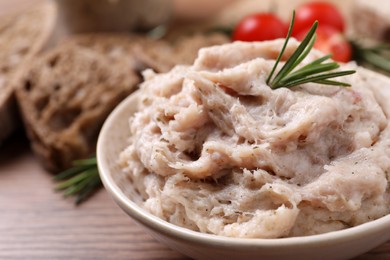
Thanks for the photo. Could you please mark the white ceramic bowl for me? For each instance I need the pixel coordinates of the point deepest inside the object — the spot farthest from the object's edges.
(334, 245)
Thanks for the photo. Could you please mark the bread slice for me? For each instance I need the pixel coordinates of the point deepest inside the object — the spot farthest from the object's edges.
(21, 37)
(161, 56)
(66, 94)
(371, 19)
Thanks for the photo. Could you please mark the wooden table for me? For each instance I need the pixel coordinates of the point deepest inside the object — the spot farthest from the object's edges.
(37, 223)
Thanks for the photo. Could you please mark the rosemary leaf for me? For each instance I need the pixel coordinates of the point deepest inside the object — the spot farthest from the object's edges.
(380, 47)
(310, 70)
(81, 185)
(291, 62)
(318, 61)
(70, 173)
(305, 52)
(376, 59)
(283, 48)
(317, 78)
(332, 83)
(75, 179)
(88, 190)
(86, 162)
(80, 181)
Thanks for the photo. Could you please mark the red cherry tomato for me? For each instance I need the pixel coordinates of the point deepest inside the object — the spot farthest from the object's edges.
(325, 13)
(260, 27)
(330, 41)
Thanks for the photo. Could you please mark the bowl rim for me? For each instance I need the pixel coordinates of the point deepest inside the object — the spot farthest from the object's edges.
(171, 230)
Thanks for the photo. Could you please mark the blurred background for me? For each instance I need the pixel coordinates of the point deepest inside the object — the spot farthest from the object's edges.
(200, 9)
(185, 15)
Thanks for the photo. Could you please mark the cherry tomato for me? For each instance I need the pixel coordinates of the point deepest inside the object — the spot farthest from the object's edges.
(325, 13)
(330, 41)
(260, 27)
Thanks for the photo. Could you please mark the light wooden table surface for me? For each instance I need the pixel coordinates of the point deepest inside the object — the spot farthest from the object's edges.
(37, 223)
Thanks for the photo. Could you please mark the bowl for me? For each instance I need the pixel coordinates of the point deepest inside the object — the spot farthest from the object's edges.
(341, 244)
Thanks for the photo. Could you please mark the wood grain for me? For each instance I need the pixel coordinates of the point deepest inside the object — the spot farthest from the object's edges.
(13, 6)
(37, 223)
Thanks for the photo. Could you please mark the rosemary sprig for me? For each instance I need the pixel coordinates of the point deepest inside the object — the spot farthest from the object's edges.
(376, 56)
(81, 181)
(315, 72)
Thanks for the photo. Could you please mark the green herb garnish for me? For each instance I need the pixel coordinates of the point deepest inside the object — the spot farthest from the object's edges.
(81, 181)
(315, 72)
(372, 56)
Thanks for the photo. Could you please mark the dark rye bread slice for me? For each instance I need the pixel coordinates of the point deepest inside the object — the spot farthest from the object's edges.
(66, 94)
(21, 37)
(161, 56)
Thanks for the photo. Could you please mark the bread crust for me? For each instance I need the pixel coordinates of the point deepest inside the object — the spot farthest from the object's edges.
(22, 37)
(67, 92)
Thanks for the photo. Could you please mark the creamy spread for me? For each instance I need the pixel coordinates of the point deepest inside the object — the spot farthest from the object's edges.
(214, 149)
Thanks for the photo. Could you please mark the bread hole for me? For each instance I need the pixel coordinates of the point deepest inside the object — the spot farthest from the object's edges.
(90, 127)
(28, 85)
(62, 119)
(90, 133)
(53, 61)
(350, 119)
(57, 87)
(41, 103)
